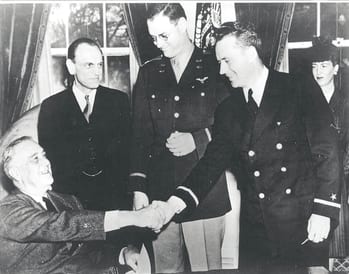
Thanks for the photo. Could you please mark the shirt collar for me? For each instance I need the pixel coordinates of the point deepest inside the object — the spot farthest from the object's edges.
(258, 86)
(80, 97)
(37, 198)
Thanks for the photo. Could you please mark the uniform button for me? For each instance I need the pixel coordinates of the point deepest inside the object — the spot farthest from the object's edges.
(278, 123)
(192, 86)
(283, 169)
(153, 96)
(202, 94)
(90, 139)
(251, 153)
(288, 191)
(261, 195)
(176, 98)
(278, 146)
(256, 173)
(159, 110)
(176, 114)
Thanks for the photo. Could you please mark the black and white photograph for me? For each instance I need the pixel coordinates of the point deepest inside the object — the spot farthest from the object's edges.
(207, 137)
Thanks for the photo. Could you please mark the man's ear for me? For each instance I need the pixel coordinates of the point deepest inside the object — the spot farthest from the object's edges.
(70, 66)
(182, 24)
(252, 53)
(14, 174)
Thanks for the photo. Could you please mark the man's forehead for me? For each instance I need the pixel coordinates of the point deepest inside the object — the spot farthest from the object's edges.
(160, 24)
(26, 150)
(87, 51)
(322, 62)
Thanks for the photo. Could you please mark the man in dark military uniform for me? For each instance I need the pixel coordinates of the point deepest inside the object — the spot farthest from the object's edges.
(175, 97)
(276, 133)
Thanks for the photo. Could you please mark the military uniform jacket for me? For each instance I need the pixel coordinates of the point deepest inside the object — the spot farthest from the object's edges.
(34, 240)
(75, 147)
(286, 163)
(163, 106)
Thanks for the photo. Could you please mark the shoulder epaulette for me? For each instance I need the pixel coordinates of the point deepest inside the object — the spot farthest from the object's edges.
(157, 58)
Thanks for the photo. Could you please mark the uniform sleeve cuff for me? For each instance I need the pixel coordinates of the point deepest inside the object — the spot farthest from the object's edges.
(137, 183)
(326, 208)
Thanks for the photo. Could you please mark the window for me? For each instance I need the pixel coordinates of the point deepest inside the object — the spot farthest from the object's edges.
(100, 21)
(314, 19)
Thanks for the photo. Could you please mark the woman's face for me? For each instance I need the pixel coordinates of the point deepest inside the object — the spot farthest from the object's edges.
(324, 72)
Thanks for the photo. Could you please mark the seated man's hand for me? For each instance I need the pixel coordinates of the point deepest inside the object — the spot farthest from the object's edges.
(131, 257)
(150, 217)
(165, 209)
(318, 228)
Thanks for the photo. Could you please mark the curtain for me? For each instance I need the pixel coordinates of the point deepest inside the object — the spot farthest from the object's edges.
(142, 45)
(273, 21)
(22, 32)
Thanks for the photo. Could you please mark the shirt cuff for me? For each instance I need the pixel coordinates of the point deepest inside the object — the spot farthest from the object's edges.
(111, 220)
(177, 204)
(121, 256)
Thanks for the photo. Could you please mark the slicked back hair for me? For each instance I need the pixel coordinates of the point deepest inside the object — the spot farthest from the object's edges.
(245, 33)
(174, 11)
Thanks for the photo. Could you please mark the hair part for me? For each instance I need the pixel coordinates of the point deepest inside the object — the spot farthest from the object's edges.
(174, 11)
(245, 33)
(9, 154)
(75, 44)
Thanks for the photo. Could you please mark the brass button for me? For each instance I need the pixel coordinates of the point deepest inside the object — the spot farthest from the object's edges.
(251, 153)
(153, 96)
(176, 98)
(283, 169)
(288, 191)
(261, 195)
(279, 146)
(176, 114)
(256, 173)
(202, 94)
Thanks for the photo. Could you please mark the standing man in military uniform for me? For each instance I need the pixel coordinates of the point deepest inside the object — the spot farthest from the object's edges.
(85, 132)
(175, 97)
(276, 134)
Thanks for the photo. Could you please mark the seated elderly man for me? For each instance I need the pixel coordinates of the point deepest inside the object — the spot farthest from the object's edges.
(45, 232)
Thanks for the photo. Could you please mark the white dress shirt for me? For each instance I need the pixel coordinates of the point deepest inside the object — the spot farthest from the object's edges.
(258, 87)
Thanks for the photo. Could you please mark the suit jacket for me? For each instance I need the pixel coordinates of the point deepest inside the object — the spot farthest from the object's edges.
(163, 106)
(76, 147)
(286, 163)
(34, 240)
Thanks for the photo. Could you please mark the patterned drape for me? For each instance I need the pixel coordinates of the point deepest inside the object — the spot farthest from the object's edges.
(273, 21)
(142, 45)
(208, 17)
(22, 30)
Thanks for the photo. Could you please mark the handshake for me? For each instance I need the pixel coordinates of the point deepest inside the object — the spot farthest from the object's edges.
(156, 214)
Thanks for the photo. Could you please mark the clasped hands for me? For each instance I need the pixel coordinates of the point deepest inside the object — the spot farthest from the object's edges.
(154, 215)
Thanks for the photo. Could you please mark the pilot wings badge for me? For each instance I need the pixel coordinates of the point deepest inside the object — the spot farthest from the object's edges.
(202, 80)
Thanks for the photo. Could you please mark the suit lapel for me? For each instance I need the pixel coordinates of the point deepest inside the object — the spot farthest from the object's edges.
(269, 105)
(187, 76)
(74, 109)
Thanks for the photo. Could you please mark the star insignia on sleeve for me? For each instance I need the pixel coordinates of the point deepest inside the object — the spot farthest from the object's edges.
(333, 196)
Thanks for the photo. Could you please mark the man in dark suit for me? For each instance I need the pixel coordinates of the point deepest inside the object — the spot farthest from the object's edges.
(85, 132)
(42, 231)
(275, 132)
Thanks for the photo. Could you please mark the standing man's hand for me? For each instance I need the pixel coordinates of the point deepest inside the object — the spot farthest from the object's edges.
(140, 200)
(180, 143)
(318, 228)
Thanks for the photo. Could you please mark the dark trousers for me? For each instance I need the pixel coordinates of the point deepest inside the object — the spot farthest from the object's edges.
(259, 254)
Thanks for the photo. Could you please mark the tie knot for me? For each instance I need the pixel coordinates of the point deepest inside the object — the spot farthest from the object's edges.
(250, 92)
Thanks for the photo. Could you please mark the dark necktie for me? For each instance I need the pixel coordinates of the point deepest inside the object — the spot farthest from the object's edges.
(87, 109)
(49, 205)
(251, 104)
